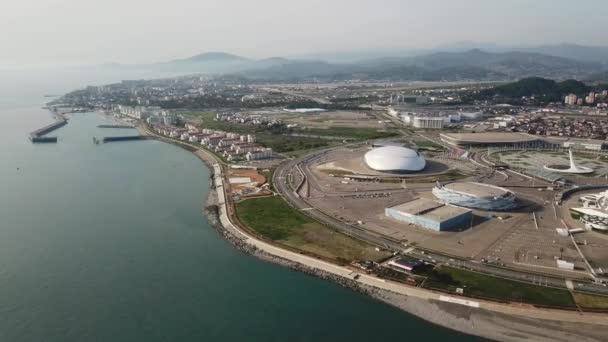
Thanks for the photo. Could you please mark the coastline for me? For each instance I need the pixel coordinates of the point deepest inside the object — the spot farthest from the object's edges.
(493, 320)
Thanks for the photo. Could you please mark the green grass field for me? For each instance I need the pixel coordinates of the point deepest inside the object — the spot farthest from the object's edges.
(356, 133)
(290, 144)
(484, 286)
(427, 144)
(271, 217)
(274, 219)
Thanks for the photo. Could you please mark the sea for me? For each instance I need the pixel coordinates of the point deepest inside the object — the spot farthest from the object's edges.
(109, 243)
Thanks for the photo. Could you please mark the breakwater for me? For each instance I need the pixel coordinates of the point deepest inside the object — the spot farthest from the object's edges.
(37, 135)
(123, 138)
(115, 126)
(49, 128)
(38, 139)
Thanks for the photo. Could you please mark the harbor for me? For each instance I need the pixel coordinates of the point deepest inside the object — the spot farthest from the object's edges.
(38, 136)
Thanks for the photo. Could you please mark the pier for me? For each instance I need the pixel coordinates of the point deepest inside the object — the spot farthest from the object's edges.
(38, 139)
(123, 138)
(37, 135)
(115, 126)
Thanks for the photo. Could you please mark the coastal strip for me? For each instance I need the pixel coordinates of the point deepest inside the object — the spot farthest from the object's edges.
(493, 320)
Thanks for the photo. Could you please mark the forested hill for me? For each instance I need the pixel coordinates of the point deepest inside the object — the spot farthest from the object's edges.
(545, 90)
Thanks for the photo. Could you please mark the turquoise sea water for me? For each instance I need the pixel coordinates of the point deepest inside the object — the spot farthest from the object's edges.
(108, 243)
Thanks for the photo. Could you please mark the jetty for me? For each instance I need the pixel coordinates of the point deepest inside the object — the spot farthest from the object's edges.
(115, 126)
(38, 139)
(37, 135)
(123, 138)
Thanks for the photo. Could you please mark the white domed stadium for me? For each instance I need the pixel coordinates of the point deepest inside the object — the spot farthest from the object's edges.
(394, 159)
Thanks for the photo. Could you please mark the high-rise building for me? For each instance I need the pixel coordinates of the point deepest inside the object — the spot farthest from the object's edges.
(571, 99)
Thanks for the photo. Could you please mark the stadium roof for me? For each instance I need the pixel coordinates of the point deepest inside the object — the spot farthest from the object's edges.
(433, 210)
(487, 138)
(394, 159)
(476, 189)
(592, 211)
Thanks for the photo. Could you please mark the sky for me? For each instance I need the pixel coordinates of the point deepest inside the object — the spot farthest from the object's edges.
(62, 32)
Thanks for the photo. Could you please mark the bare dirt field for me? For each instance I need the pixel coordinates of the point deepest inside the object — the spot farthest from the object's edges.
(246, 182)
(334, 119)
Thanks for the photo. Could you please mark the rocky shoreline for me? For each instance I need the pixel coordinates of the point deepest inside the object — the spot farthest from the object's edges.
(211, 211)
(463, 319)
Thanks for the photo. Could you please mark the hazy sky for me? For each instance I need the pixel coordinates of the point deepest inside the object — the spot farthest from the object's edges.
(134, 31)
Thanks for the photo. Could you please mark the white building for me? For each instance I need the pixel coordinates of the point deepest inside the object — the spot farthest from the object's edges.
(570, 99)
(454, 117)
(594, 212)
(168, 119)
(133, 112)
(406, 118)
(430, 122)
(471, 115)
(475, 195)
(260, 154)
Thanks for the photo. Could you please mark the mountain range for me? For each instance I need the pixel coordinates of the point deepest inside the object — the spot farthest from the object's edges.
(552, 61)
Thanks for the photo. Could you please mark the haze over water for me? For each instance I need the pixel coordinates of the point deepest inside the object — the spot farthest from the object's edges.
(108, 243)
